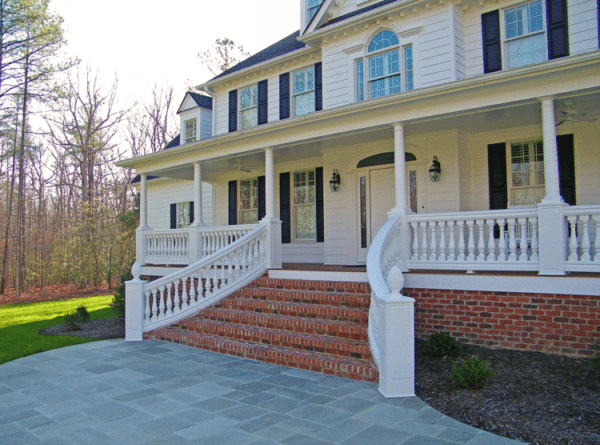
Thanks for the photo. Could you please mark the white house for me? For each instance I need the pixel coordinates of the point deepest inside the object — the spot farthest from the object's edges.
(457, 140)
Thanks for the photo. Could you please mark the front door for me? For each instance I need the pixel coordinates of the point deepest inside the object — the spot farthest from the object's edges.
(376, 197)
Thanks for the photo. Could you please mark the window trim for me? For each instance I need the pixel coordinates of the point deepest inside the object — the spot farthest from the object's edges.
(254, 184)
(509, 177)
(505, 40)
(296, 95)
(189, 140)
(293, 206)
(364, 93)
(242, 110)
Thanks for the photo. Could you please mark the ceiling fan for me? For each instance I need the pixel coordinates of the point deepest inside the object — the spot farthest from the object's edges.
(569, 114)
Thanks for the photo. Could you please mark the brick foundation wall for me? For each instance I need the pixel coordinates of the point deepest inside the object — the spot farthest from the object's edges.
(557, 324)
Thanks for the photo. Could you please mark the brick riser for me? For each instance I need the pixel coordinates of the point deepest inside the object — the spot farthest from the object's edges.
(313, 325)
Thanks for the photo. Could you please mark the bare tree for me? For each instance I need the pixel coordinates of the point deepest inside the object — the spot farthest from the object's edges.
(223, 55)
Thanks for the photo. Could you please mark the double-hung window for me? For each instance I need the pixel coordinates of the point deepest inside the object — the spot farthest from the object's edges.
(304, 91)
(524, 34)
(249, 106)
(313, 7)
(387, 68)
(184, 215)
(248, 207)
(190, 130)
(527, 173)
(304, 206)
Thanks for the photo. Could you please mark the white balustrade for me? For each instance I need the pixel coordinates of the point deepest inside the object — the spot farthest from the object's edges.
(215, 238)
(583, 238)
(178, 295)
(492, 240)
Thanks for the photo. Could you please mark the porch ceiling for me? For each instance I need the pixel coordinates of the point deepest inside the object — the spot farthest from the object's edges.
(492, 118)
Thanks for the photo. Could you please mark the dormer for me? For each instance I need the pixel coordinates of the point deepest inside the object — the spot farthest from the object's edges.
(308, 11)
(195, 114)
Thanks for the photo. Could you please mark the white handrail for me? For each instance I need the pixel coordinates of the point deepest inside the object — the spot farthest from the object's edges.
(182, 293)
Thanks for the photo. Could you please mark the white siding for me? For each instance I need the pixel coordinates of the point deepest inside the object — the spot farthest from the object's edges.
(459, 43)
(221, 101)
(164, 192)
(205, 123)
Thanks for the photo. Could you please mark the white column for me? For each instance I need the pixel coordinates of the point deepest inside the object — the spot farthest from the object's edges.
(143, 203)
(269, 184)
(198, 195)
(551, 176)
(551, 220)
(400, 168)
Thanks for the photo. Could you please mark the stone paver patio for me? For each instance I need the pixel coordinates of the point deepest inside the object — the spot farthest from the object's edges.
(114, 392)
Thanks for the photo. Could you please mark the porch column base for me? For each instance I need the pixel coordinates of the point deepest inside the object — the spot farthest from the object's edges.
(273, 242)
(134, 310)
(552, 238)
(397, 355)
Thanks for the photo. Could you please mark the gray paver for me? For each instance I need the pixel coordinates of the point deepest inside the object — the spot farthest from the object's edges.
(115, 392)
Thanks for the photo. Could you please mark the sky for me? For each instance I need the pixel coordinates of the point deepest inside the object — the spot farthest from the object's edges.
(148, 42)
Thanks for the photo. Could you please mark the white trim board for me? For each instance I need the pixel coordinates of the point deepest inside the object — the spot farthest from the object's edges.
(311, 275)
(514, 284)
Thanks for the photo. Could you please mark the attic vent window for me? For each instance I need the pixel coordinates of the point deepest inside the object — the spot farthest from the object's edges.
(190, 130)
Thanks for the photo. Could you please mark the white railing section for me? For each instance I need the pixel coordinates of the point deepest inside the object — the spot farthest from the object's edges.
(168, 246)
(583, 238)
(391, 316)
(180, 294)
(216, 238)
(491, 240)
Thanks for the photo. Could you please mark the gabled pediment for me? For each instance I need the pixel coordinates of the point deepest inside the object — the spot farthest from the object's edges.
(194, 100)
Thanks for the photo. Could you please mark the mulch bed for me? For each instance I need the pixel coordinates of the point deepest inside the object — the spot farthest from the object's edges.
(532, 397)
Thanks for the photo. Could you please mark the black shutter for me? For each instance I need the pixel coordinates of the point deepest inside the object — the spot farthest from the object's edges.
(232, 203)
(173, 216)
(598, 17)
(191, 212)
(284, 207)
(318, 86)
(497, 176)
(558, 32)
(319, 204)
(263, 106)
(233, 111)
(262, 202)
(490, 29)
(566, 168)
(284, 95)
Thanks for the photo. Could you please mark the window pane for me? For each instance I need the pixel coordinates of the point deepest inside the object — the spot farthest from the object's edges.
(249, 118)
(385, 86)
(363, 212)
(304, 80)
(526, 51)
(305, 222)
(183, 215)
(408, 68)
(304, 104)
(360, 81)
(384, 39)
(190, 130)
(249, 97)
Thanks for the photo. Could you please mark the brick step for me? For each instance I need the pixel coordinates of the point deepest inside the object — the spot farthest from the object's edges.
(275, 337)
(357, 301)
(311, 361)
(311, 326)
(320, 311)
(306, 285)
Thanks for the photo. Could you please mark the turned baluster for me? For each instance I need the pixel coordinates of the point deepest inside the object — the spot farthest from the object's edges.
(512, 240)
(185, 300)
(155, 297)
(596, 247)
(535, 249)
(523, 244)
(461, 241)
(585, 241)
(415, 246)
(502, 240)
(442, 256)
(166, 291)
(451, 242)
(480, 240)
(491, 256)
(573, 244)
(470, 240)
(423, 248)
(172, 297)
(147, 311)
(433, 242)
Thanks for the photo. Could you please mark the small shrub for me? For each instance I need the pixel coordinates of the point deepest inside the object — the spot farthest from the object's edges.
(442, 344)
(472, 373)
(118, 303)
(72, 322)
(83, 313)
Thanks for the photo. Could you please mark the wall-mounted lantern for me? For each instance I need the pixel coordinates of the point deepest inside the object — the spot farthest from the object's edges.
(435, 172)
(334, 182)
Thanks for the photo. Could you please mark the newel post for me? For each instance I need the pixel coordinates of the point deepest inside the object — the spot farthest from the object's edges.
(134, 306)
(397, 351)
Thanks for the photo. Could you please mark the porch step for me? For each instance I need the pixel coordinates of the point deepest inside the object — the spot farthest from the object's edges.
(313, 325)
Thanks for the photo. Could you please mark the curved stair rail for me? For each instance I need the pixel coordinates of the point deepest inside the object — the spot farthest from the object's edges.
(391, 315)
(181, 294)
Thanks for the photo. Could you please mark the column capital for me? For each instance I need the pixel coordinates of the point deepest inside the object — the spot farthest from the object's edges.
(398, 125)
(546, 99)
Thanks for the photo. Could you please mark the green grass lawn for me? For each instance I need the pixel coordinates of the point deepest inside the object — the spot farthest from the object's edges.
(20, 323)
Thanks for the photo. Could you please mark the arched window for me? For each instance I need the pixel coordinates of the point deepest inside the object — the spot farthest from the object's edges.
(385, 67)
